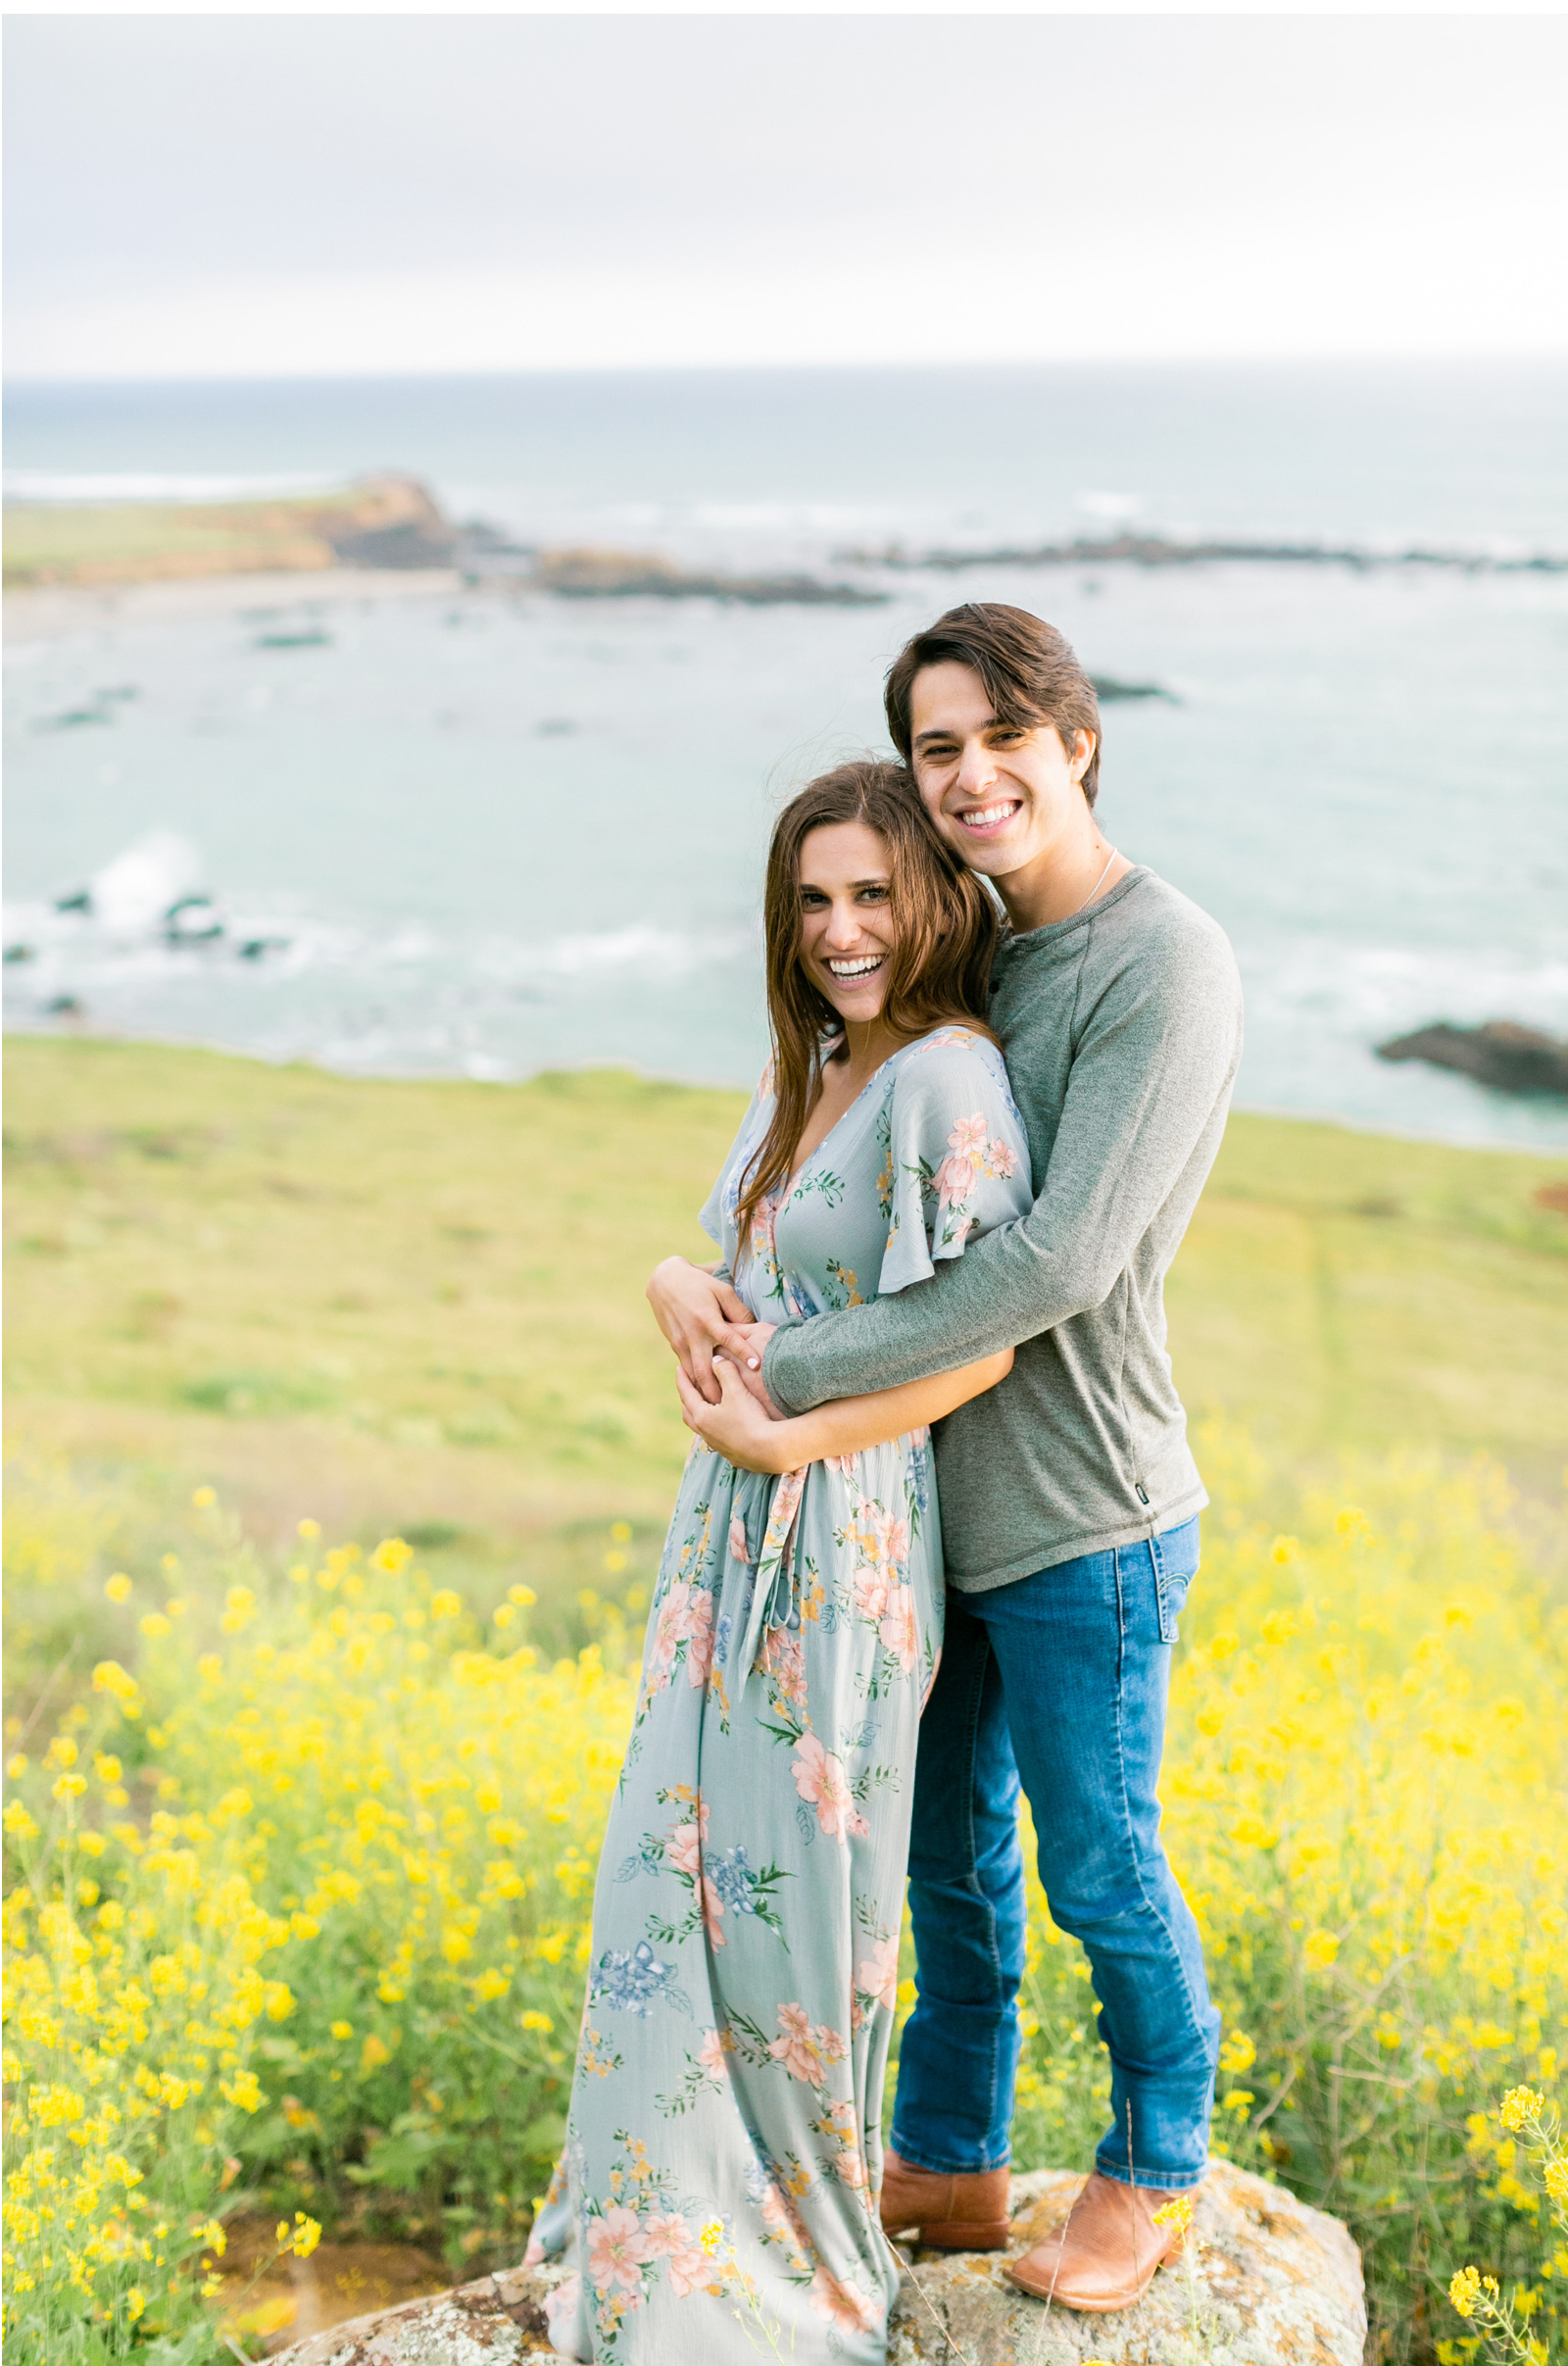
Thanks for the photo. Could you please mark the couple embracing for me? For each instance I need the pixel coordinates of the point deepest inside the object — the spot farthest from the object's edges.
(953, 1202)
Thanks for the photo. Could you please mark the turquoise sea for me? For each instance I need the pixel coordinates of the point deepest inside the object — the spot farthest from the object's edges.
(489, 833)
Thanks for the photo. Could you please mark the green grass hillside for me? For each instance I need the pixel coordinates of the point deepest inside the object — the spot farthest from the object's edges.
(145, 541)
(418, 1306)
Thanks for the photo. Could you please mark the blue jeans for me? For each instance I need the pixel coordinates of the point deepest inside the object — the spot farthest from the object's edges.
(1059, 1679)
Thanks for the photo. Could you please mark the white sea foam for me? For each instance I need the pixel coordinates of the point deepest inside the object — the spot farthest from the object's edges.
(125, 936)
(54, 485)
(1367, 990)
(642, 950)
(1111, 508)
(138, 888)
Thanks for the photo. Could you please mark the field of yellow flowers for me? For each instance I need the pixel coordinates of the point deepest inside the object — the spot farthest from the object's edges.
(298, 1894)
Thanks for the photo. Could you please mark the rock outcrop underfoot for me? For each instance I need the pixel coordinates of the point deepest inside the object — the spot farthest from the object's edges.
(1269, 2283)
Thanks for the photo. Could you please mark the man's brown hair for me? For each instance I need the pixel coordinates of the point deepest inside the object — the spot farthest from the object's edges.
(1028, 667)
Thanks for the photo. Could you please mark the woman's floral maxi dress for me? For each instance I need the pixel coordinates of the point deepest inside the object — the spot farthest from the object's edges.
(723, 2145)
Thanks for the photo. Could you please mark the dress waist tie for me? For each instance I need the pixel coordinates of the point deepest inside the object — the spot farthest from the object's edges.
(769, 1604)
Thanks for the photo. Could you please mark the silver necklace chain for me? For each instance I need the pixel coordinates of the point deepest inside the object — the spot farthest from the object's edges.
(1094, 890)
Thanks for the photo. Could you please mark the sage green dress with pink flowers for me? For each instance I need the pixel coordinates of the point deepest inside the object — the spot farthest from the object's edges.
(723, 2145)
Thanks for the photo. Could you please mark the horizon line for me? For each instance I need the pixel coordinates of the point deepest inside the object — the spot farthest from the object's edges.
(1428, 357)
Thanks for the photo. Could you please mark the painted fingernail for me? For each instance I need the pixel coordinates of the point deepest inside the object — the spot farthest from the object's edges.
(755, 1363)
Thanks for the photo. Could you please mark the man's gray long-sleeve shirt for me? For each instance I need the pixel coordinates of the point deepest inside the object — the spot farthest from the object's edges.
(1122, 1029)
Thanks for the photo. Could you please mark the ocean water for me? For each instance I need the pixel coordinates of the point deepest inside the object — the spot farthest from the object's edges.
(490, 833)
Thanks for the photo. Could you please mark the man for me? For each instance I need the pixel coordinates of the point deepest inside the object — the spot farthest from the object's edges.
(1069, 1496)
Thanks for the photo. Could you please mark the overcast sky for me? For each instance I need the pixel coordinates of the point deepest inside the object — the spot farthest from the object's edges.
(236, 196)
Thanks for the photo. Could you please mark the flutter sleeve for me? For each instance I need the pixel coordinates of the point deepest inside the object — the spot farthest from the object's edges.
(956, 1161)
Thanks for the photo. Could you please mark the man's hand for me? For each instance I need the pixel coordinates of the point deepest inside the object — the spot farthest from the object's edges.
(696, 1311)
(737, 1427)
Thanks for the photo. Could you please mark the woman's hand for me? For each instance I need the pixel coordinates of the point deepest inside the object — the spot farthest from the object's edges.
(743, 1345)
(738, 1427)
(694, 1309)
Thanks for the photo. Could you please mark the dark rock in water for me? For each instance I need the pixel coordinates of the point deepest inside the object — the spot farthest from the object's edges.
(64, 1006)
(74, 717)
(1501, 1054)
(192, 920)
(1107, 690)
(82, 901)
(100, 708)
(257, 949)
(310, 636)
(18, 952)
(603, 574)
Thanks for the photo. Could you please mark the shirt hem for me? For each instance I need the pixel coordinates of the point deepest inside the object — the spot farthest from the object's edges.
(1049, 1553)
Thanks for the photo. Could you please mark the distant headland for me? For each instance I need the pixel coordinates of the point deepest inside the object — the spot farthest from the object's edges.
(394, 524)
(386, 523)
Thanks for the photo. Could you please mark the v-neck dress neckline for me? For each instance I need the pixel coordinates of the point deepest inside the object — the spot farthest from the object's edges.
(844, 1115)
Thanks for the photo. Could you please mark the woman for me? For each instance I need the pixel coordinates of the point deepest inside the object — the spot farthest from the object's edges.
(723, 2148)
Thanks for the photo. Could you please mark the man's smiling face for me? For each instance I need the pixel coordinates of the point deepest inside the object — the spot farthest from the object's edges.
(1004, 795)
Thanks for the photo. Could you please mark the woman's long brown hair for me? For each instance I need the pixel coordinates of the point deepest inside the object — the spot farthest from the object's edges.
(939, 972)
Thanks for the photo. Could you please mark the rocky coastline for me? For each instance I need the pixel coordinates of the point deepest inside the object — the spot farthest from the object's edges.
(389, 524)
(591, 573)
(1161, 550)
(393, 526)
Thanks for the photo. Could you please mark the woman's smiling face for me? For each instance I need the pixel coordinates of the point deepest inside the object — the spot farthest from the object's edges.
(847, 926)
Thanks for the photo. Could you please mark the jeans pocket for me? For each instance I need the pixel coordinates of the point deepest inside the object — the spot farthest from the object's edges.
(1176, 1560)
(1171, 1590)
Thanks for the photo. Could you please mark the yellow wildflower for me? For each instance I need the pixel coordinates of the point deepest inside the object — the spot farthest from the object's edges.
(1177, 2214)
(1519, 2106)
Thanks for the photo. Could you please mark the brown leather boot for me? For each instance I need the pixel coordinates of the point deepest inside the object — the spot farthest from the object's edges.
(1104, 2253)
(963, 2212)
